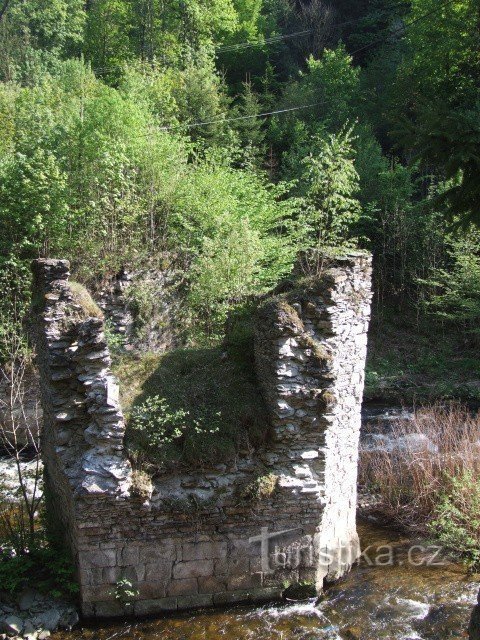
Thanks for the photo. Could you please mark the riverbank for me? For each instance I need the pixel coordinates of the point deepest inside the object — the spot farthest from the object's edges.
(416, 363)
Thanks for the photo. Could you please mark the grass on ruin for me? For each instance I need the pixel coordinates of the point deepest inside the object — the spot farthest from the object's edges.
(202, 406)
(410, 362)
(429, 482)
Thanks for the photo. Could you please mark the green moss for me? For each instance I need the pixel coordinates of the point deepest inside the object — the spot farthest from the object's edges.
(81, 297)
(217, 389)
(261, 488)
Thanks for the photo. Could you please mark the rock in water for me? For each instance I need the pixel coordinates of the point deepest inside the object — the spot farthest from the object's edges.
(12, 625)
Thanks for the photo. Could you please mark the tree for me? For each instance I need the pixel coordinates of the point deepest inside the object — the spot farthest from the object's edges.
(438, 98)
(33, 205)
(36, 33)
(19, 429)
(251, 129)
(331, 208)
(107, 44)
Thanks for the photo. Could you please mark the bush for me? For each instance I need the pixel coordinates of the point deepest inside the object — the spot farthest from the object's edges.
(457, 522)
(164, 432)
(422, 477)
(44, 569)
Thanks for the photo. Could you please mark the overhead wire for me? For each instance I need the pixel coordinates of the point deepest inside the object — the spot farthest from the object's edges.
(222, 120)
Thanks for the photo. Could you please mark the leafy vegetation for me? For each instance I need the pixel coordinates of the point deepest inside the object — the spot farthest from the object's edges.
(42, 568)
(457, 523)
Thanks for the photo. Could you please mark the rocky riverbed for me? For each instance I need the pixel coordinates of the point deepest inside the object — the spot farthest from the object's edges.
(34, 616)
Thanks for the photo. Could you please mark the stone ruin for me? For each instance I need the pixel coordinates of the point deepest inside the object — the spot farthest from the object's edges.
(193, 540)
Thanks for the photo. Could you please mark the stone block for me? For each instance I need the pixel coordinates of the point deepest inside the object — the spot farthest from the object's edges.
(98, 558)
(151, 607)
(204, 551)
(158, 570)
(195, 602)
(231, 597)
(183, 587)
(108, 609)
(243, 581)
(151, 590)
(193, 569)
(212, 584)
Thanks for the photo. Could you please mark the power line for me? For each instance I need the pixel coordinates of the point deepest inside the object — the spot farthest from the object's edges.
(246, 45)
(259, 43)
(222, 120)
(279, 37)
(404, 26)
(250, 117)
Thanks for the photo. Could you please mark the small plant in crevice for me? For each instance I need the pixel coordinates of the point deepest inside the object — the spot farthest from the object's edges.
(125, 592)
(115, 341)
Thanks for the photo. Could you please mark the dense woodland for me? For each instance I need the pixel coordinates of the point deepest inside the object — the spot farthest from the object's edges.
(135, 132)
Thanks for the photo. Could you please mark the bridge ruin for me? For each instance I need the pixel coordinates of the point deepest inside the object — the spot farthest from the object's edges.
(190, 541)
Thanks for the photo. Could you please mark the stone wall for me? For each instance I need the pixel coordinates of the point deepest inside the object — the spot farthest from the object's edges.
(233, 532)
(141, 307)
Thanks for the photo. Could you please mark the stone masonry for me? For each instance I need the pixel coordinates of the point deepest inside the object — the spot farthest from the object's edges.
(231, 533)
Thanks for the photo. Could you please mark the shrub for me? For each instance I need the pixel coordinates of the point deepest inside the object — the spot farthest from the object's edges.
(43, 568)
(457, 521)
(422, 475)
(164, 432)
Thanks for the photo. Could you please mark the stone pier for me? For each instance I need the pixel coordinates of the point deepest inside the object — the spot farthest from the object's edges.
(231, 533)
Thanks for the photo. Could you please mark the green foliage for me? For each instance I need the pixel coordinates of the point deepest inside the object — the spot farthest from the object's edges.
(437, 97)
(33, 204)
(34, 34)
(114, 340)
(250, 129)
(227, 270)
(331, 209)
(125, 592)
(161, 431)
(44, 569)
(457, 521)
(455, 292)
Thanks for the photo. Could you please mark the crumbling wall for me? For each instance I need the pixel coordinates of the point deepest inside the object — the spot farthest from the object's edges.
(234, 532)
(311, 344)
(141, 307)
